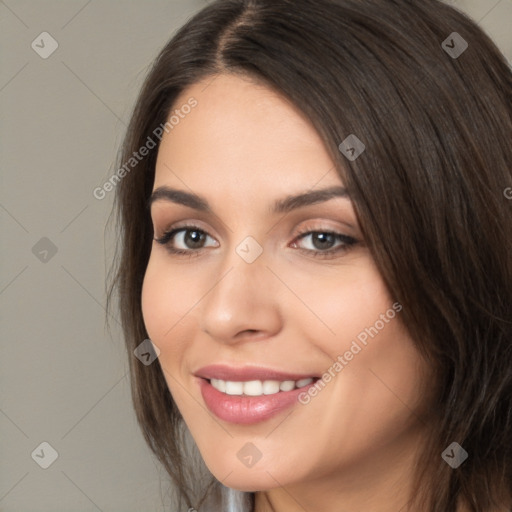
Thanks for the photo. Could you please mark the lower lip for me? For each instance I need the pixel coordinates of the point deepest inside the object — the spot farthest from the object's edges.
(245, 410)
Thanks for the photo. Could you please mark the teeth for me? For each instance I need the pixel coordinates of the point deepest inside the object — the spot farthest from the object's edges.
(258, 387)
(219, 384)
(303, 382)
(234, 388)
(287, 385)
(253, 388)
(270, 387)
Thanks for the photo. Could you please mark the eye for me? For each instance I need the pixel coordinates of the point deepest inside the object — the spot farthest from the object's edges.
(190, 237)
(323, 243)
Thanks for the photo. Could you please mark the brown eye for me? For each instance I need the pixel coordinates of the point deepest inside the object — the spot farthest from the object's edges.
(189, 239)
(323, 242)
(193, 238)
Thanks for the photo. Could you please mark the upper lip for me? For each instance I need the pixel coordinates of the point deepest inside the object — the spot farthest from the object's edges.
(247, 373)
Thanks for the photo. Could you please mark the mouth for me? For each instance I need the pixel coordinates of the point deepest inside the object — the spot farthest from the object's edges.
(250, 395)
(259, 387)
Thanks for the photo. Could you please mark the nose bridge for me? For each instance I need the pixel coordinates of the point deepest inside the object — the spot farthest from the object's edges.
(241, 297)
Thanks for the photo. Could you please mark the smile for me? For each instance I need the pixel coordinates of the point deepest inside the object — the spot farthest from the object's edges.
(251, 394)
(258, 387)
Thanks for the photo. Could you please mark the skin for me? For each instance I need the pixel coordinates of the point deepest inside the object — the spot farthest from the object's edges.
(353, 447)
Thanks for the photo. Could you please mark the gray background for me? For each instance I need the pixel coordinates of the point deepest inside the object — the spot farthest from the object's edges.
(63, 377)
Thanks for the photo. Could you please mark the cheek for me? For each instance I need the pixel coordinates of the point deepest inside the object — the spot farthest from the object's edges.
(380, 369)
(165, 301)
(154, 301)
(168, 293)
(342, 305)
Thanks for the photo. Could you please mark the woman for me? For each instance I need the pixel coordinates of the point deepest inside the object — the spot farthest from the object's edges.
(316, 239)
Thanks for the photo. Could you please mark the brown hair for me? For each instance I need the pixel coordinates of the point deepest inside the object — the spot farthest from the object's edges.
(428, 192)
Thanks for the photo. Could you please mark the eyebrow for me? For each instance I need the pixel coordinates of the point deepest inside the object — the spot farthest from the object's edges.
(284, 205)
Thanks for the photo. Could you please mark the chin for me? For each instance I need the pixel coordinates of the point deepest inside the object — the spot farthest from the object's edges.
(252, 479)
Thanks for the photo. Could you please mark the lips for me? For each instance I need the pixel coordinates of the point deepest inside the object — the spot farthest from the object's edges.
(247, 373)
(250, 394)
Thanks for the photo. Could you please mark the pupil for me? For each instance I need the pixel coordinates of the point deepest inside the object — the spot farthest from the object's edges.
(325, 239)
(194, 241)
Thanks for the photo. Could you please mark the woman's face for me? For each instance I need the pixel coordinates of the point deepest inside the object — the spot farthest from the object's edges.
(268, 297)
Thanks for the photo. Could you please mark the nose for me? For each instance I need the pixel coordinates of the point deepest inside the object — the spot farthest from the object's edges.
(242, 303)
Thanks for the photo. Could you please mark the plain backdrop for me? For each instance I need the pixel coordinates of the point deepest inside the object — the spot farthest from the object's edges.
(64, 379)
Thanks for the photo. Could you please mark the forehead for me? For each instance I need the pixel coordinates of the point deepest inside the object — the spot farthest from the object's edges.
(244, 135)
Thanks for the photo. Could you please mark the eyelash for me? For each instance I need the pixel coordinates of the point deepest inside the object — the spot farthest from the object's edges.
(348, 242)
